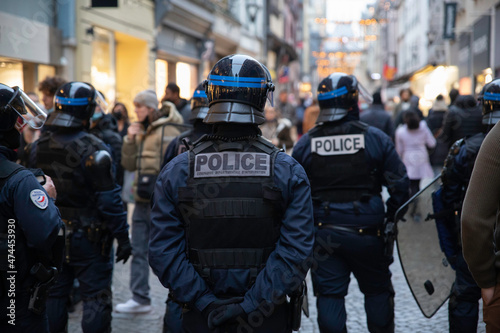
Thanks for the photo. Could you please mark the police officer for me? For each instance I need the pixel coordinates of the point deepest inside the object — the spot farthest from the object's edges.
(347, 162)
(90, 204)
(463, 306)
(29, 222)
(199, 109)
(232, 217)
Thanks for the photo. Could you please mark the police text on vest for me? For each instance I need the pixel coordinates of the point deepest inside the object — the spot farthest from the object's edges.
(338, 144)
(232, 164)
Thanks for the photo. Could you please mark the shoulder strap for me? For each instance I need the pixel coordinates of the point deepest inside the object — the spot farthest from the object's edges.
(7, 170)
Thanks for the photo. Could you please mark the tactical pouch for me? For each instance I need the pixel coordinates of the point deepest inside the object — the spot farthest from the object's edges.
(145, 185)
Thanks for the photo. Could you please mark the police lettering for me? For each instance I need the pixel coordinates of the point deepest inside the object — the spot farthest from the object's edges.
(338, 144)
(231, 164)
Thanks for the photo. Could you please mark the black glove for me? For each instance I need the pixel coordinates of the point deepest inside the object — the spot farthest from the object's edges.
(224, 314)
(217, 304)
(124, 248)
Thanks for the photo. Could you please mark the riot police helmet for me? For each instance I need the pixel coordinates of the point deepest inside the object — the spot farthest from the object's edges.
(237, 89)
(74, 104)
(199, 104)
(338, 94)
(18, 110)
(489, 97)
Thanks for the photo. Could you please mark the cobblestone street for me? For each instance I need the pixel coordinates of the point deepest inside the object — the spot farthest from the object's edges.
(408, 316)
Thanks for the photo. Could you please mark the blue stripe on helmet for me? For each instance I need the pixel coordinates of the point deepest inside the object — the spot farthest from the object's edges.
(491, 96)
(199, 94)
(237, 78)
(237, 84)
(71, 101)
(332, 94)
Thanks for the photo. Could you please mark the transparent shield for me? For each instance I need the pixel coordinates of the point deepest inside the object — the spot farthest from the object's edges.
(427, 272)
(101, 102)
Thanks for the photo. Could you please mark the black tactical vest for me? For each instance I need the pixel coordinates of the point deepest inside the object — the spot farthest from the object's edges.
(339, 170)
(231, 207)
(63, 163)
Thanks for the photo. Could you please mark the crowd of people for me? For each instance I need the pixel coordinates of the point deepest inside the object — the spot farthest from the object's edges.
(235, 199)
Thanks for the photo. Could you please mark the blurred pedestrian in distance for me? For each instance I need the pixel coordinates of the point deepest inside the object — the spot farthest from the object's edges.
(463, 118)
(435, 123)
(172, 94)
(412, 141)
(403, 105)
(453, 96)
(120, 113)
(277, 129)
(143, 149)
(376, 116)
(48, 88)
(285, 108)
(310, 115)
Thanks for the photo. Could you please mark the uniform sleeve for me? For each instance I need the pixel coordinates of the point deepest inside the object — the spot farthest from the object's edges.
(169, 153)
(36, 213)
(480, 210)
(167, 244)
(129, 154)
(110, 206)
(394, 177)
(288, 264)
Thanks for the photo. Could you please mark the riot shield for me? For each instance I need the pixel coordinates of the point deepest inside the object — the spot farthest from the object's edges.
(427, 272)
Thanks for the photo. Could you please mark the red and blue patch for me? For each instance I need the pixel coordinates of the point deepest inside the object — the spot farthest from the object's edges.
(39, 199)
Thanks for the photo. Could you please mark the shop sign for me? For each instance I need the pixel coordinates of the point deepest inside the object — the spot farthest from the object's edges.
(450, 13)
(481, 45)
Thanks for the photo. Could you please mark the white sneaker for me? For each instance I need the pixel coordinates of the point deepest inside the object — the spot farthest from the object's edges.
(132, 306)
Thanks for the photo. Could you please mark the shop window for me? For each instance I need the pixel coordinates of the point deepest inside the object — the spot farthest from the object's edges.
(102, 71)
(45, 71)
(11, 73)
(161, 71)
(186, 78)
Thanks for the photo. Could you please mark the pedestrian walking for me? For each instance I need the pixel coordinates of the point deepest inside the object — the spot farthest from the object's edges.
(143, 150)
(413, 139)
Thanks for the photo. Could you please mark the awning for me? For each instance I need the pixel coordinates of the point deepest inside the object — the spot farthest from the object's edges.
(411, 76)
(278, 45)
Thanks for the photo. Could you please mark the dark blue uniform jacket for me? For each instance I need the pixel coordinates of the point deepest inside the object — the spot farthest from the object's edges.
(39, 226)
(382, 157)
(285, 268)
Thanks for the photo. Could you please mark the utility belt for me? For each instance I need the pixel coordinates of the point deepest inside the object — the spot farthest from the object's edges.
(95, 231)
(204, 260)
(369, 231)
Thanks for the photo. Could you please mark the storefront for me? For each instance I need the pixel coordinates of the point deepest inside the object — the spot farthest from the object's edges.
(20, 65)
(181, 43)
(481, 53)
(116, 50)
(464, 63)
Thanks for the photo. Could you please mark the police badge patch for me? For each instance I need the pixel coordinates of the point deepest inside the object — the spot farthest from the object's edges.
(39, 198)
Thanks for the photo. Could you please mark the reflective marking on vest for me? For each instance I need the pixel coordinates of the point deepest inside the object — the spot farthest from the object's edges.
(338, 144)
(232, 164)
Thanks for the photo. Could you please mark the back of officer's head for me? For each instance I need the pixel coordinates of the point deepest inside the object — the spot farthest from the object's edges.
(337, 96)
(9, 136)
(74, 105)
(490, 102)
(237, 89)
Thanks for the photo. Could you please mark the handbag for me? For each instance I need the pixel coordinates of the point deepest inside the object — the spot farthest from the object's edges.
(146, 181)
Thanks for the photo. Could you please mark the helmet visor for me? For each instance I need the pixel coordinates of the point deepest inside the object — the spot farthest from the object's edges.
(29, 113)
(101, 102)
(364, 95)
(270, 96)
